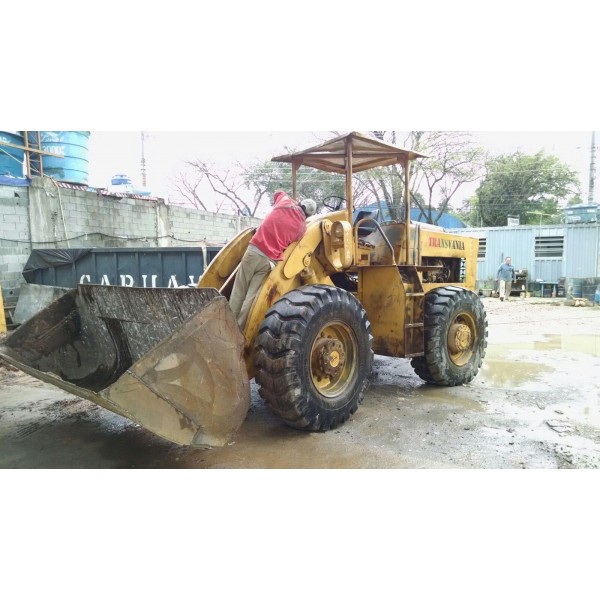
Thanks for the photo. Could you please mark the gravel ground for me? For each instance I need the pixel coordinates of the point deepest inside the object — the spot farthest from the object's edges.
(535, 404)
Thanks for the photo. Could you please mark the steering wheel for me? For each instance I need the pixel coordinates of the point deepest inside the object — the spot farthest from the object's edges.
(333, 203)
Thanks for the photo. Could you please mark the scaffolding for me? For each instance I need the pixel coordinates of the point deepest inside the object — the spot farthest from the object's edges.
(33, 153)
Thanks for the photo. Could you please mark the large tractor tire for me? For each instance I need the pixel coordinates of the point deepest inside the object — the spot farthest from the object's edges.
(455, 337)
(313, 357)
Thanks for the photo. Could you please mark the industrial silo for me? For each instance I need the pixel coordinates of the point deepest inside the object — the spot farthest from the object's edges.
(11, 159)
(72, 165)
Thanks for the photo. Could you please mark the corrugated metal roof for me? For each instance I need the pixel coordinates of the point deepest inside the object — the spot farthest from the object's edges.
(367, 153)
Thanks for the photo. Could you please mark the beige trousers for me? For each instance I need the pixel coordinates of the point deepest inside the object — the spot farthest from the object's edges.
(505, 288)
(254, 267)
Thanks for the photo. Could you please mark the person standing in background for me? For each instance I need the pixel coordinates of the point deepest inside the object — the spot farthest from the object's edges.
(506, 276)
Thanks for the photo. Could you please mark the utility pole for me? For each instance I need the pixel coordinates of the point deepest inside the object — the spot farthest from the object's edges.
(592, 169)
(143, 161)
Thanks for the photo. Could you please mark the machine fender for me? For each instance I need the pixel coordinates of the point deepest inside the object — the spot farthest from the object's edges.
(307, 245)
(223, 265)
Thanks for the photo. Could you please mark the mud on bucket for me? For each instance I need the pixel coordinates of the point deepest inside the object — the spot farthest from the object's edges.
(168, 359)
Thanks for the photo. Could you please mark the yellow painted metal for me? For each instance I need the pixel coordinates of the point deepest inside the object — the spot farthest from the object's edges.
(275, 286)
(2, 317)
(334, 359)
(435, 243)
(428, 287)
(462, 335)
(296, 253)
(349, 170)
(226, 261)
(405, 164)
(438, 243)
(472, 246)
(382, 293)
(338, 244)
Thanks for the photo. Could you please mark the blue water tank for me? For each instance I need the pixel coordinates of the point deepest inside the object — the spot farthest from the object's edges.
(120, 179)
(73, 167)
(11, 159)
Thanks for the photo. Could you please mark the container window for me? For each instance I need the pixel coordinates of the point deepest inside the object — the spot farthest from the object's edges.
(550, 246)
(482, 248)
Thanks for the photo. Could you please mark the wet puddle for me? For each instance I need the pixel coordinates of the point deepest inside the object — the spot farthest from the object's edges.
(510, 374)
(584, 343)
(516, 366)
(587, 344)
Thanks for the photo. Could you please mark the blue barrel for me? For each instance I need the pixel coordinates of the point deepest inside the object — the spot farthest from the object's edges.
(73, 147)
(11, 159)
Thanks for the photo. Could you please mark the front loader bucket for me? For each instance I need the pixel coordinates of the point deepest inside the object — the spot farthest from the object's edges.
(168, 359)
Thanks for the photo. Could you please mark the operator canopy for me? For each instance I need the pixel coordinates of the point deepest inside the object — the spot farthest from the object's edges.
(367, 153)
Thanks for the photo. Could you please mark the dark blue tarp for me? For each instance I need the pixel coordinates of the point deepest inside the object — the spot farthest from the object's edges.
(50, 257)
(14, 181)
(174, 266)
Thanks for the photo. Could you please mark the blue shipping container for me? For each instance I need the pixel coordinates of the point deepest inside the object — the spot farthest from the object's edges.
(129, 267)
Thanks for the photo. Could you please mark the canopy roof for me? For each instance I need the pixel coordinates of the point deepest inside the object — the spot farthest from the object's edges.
(367, 153)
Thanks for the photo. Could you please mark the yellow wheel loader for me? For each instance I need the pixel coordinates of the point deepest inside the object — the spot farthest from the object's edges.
(176, 362)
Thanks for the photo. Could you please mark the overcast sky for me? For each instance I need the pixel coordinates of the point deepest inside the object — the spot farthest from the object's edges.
(166, 152)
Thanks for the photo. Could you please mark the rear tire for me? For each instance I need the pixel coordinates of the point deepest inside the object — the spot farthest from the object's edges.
(455, 337)
(313, 357)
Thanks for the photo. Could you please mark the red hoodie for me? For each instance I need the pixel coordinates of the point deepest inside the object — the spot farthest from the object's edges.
(285, 224)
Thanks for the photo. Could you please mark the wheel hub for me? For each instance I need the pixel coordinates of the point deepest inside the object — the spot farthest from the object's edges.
(331, 357)
(459, 338)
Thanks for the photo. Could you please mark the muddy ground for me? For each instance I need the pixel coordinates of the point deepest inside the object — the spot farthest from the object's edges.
(534, 405)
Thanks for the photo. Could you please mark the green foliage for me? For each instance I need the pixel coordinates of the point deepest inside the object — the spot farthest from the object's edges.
(535, 188)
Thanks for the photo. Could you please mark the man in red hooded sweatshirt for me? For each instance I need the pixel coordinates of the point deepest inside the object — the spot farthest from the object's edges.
(282, 226)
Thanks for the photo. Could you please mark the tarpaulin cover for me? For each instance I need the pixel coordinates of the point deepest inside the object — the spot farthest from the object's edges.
(51, 257)
(14, 181)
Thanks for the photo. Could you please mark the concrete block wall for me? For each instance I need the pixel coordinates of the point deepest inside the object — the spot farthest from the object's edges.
(45, 215)
(14, 240)
(89, 219)
(189, 226)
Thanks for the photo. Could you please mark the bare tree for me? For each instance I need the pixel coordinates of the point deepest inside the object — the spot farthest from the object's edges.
(186, 186)
(453, 160)
(228, 186)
